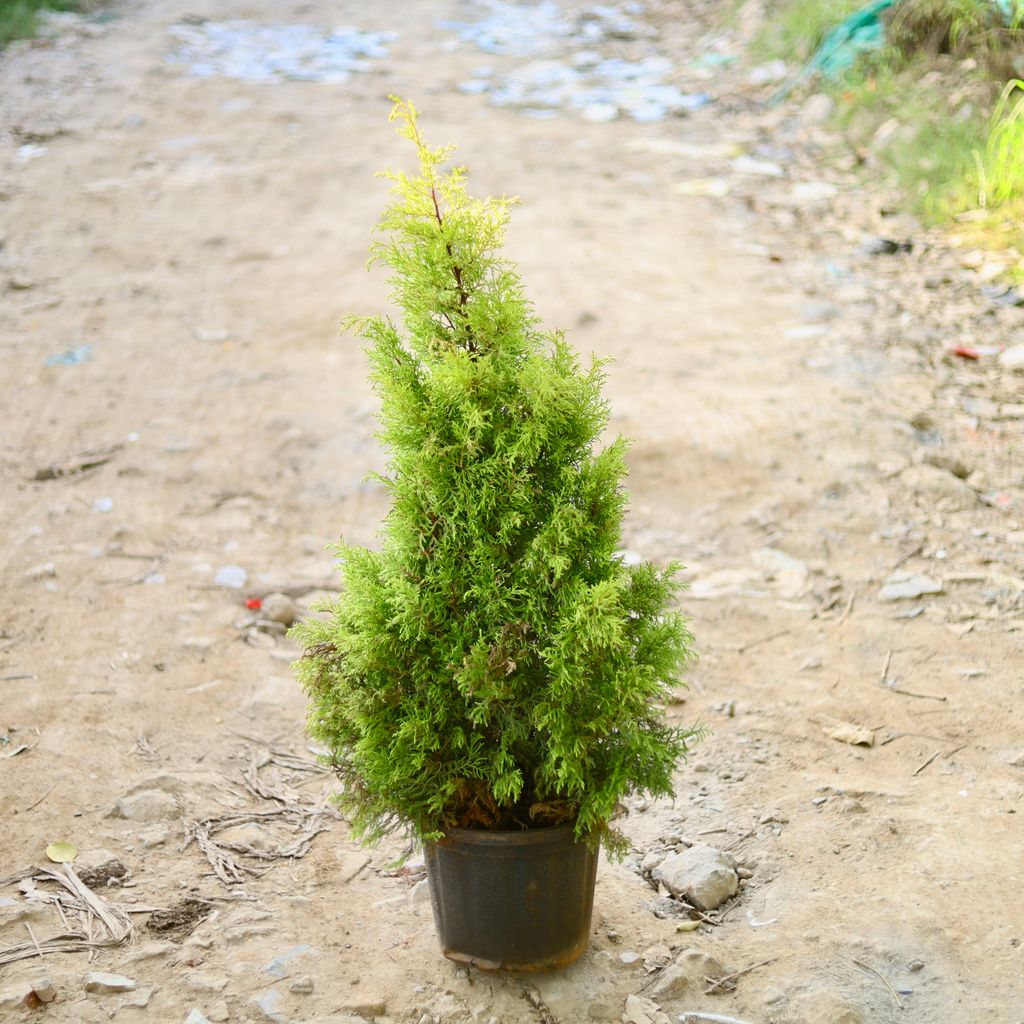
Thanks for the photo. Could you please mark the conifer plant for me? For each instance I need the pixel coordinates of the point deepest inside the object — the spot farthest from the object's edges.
(495, 664)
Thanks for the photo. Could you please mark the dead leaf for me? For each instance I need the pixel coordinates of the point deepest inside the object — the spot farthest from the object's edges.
(847, 732)
(62, 853)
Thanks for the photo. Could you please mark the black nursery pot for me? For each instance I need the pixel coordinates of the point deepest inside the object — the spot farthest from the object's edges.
(513, 901)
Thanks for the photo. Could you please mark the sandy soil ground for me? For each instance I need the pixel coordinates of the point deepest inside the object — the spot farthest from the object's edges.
(205, 237)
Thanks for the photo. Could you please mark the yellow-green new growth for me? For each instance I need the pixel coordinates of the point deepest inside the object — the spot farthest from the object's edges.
(495, 664)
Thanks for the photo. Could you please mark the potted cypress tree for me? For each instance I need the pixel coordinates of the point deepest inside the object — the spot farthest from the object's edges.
(490, 679)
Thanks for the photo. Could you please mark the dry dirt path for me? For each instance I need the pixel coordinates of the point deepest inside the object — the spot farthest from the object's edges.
(204, 237)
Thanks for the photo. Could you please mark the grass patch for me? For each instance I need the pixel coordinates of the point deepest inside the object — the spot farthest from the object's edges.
(1001, 169)
(19, 19)
(936, 145)
(926, 113)
(962, 28)
(916, 133)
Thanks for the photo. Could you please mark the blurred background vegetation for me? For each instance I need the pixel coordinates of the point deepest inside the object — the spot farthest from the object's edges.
(19, 19)
(934, 105)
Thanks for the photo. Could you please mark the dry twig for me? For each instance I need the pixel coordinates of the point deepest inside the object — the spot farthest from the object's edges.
(924, 764)
(99, 925)
(305, 820)
(77, 465)
(532, 996)
(728, 982)
(905, 557)
(885, 667)
(33, 806)
(911, 693)
(884, 981)
(743, 648)
(696, 1016)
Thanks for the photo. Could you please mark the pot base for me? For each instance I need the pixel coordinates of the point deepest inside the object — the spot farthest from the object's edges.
(531, 967)
(512, 901)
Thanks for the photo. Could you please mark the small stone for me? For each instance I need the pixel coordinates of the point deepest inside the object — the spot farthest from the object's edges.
(757, 168)
(704, 875)
(279, 967)
(242, 933)
(788, 574)
(233, 576)
(629, 957)
(817, 108)
(652, 860)
(848, 732)
(853, 294)
(213, 335)
(419, 894)
(195, 1017)
(100, 981)
(150, 951)
(139, 998)
(279, 608)
(950, 463)
(303, 986)
(16, 997)
(903, 586)
(812, 193)
(1012, 358)
(600, 113)
(369, 1007)
(268, 1005)
(42, 571)
(16, 911)
(208, 982)
(46, 991)
(699, 965)
(219, 1011)
(155, 835)
(149, 805)
(819, 800)
(672, 983)
(916, 965)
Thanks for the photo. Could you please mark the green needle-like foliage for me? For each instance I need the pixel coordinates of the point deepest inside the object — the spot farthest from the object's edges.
(495, 665)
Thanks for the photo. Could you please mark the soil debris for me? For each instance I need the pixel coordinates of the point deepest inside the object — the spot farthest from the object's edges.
(180, 919)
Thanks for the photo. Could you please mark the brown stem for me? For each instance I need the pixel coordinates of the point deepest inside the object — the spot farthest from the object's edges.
(457, 274)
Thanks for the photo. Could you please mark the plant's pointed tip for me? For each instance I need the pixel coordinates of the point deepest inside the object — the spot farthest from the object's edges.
(402, 110)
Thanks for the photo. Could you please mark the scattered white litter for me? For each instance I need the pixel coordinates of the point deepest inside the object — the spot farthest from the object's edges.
(251, 52)
(233, 576)
(568, 71)
(536, 30)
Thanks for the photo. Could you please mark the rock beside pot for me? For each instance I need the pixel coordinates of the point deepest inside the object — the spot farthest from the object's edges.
(705, 876)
